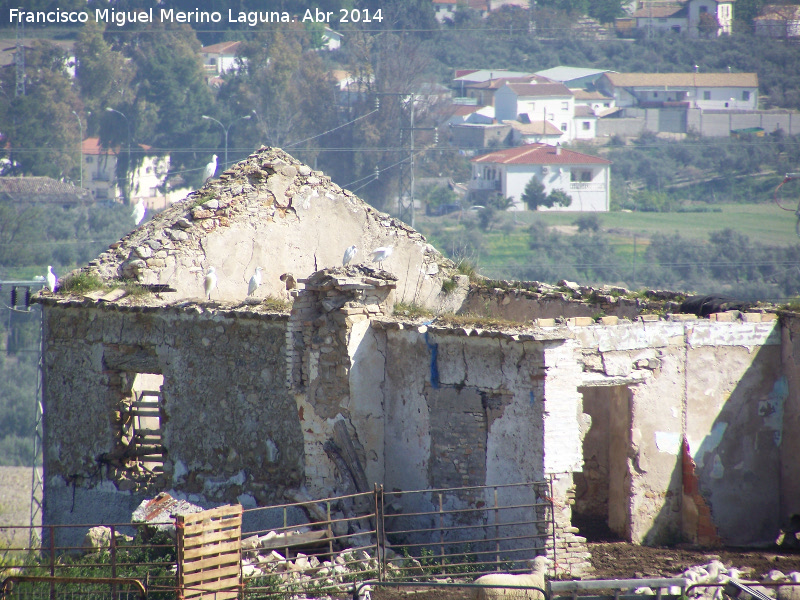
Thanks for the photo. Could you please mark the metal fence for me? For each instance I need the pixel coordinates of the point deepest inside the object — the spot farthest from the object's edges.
(317, 547)
(397, 536)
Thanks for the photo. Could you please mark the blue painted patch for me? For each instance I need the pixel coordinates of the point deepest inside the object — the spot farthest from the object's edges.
(532, 396)
(434, 348)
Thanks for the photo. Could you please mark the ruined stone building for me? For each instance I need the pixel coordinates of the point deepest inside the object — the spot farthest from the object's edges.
(666, 426)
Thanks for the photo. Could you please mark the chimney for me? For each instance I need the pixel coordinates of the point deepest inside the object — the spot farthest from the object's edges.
(558, 149)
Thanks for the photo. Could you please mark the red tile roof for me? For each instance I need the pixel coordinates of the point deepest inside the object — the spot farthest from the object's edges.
(540, 154)
(659, 12)
(221, 48)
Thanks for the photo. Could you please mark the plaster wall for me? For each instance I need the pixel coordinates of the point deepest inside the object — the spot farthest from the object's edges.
(694, 380)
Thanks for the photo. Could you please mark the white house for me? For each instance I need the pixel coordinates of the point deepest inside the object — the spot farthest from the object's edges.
(220, 58)
(585, 178)
(778, 21)
(597, 101)
(707, 91)
(100, 174)
(683, 16)
(550, 102)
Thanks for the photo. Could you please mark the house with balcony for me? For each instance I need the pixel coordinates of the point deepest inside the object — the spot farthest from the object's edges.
(706, 91)
(683, 16)
(585, 178)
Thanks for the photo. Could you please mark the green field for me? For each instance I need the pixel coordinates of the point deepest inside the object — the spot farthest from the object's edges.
(506, 244)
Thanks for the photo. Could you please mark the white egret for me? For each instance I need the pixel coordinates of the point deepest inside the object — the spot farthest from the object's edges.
(210, 169)
(381, 254)
(52, 279)
(349, 254)
(255, 282)
(138, 211)
(210, 282)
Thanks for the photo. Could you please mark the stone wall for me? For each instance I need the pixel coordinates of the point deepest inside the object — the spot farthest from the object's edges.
(683, 435)
(272, 211)
(227, 415)
(523, 301)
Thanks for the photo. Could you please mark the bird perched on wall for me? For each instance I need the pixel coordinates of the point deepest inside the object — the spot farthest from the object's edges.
(289, 280)
(211, 282)
(255, 282)
(138, 211)
(210, 169)
(381, 254)
(349, 254)
(52, 279)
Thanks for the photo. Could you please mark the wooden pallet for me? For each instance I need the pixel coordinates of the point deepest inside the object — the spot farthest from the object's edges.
(209, 553)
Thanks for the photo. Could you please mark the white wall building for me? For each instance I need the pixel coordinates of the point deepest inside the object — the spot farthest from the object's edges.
(220, 58)
(683, 17)
(550, 102)
(585, 178)
(707, 91)
(100, 174)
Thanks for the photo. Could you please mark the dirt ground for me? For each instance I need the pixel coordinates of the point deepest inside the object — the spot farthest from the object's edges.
(617, 560)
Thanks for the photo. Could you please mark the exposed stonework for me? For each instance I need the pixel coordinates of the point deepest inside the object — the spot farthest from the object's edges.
(272, 211)
(594, 390)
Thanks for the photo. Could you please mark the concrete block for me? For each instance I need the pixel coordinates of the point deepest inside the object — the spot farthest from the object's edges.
(580, 321)
(751, 317)
(611, 320)
(681, 317)
(649, 318)
(721, 317)
(768, 317)
(545, 322)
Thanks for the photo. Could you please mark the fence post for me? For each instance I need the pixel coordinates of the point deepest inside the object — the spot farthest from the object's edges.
(330, 529)
(380, 532)
(286, 535)
(113, 552)
(52, 560)
(496, 532)
(441, 531)
(553, 521)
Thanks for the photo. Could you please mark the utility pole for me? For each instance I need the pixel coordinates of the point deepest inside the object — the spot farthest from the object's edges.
(19, 59)
(20, 302)
(80, 142)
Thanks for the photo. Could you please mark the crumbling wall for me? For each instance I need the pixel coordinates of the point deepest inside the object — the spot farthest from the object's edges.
(230, 429)
(466, 407)
(716, 383)
(790, 441)
(272, 211)
(523, 301)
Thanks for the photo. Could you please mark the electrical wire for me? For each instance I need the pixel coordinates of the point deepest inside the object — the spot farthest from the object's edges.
(334, 129)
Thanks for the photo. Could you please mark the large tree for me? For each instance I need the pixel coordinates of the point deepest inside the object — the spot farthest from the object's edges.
(104, 75)
(170, 95)
(40, 128)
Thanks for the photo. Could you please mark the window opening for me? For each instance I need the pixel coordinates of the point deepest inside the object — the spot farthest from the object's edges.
(141, 434)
